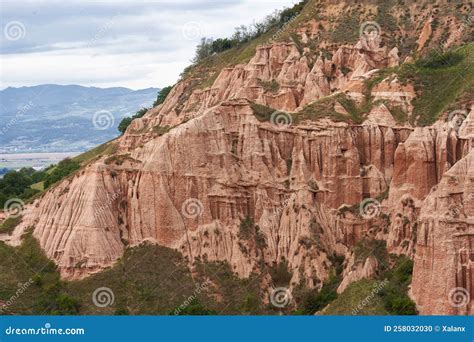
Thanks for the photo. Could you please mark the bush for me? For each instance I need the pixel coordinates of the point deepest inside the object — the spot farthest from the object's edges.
(9, 225)
(17, 184)
(123, 125)
(243, 34)
(280, 274)
(63, 169)
(246, 228)
(395, 293)
(161, 97)
(195, 308)
(435, 60)
(314, 301)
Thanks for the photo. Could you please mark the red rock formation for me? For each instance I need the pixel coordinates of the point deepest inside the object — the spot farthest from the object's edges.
(191, 170)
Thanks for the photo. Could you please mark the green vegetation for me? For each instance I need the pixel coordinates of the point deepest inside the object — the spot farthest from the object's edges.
(63, 169)
(387, 294)
(310, 301)
(195, 308)
(325, 108)
(440, 81)
(395, 294)
(377, 248)
(236, 296)
(161, 130)
(119, 159)
(42, 292)
(261, 112)
(161, 97)
(244, 34)
(347, 30)
(280, 274)
(9, 225)
(17, 184)
(271, 86)
(147, 280)
(400, 115)
(362, 291)
(27, 183)
(107, 148)
(123, 125)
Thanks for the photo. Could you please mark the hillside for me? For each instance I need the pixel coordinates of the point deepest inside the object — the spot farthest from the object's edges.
(324, 156)
(56, 118)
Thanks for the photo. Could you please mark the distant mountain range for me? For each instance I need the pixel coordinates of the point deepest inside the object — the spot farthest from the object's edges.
(57, 118)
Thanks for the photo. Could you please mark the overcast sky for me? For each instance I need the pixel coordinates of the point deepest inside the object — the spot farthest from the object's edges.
(135, 44)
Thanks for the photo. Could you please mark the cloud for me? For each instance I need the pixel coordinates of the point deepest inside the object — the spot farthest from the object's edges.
(136, 44)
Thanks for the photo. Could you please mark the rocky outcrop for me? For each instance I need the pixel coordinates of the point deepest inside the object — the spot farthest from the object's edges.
(201, 173)
(444, 258)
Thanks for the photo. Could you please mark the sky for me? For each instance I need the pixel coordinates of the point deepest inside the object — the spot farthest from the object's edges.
(135, 44)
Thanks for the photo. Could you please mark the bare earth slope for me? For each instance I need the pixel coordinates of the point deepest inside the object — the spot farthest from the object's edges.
(248, 173)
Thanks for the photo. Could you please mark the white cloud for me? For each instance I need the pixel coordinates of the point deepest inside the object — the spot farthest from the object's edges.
(133, 44)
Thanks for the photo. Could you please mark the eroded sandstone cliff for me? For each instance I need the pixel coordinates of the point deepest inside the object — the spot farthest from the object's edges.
(204, 173)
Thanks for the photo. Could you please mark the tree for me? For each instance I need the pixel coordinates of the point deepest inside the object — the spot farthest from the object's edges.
(220, 45)
(64, 168)
(203, 50)
(123, 125)
(162, 94)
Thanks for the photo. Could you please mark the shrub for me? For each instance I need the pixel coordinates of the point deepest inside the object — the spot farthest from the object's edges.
(314, 301)
(261, 112)
(195, 308)
(63, 169)
(435, 60)
(246, 228)
(280, 274)
(162, 94)
(123, 125)
(9, 225)
(395, 294)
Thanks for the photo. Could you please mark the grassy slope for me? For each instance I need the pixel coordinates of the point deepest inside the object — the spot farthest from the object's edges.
(355, 294)
(442, 82)
(147, 280)
(9, 225)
